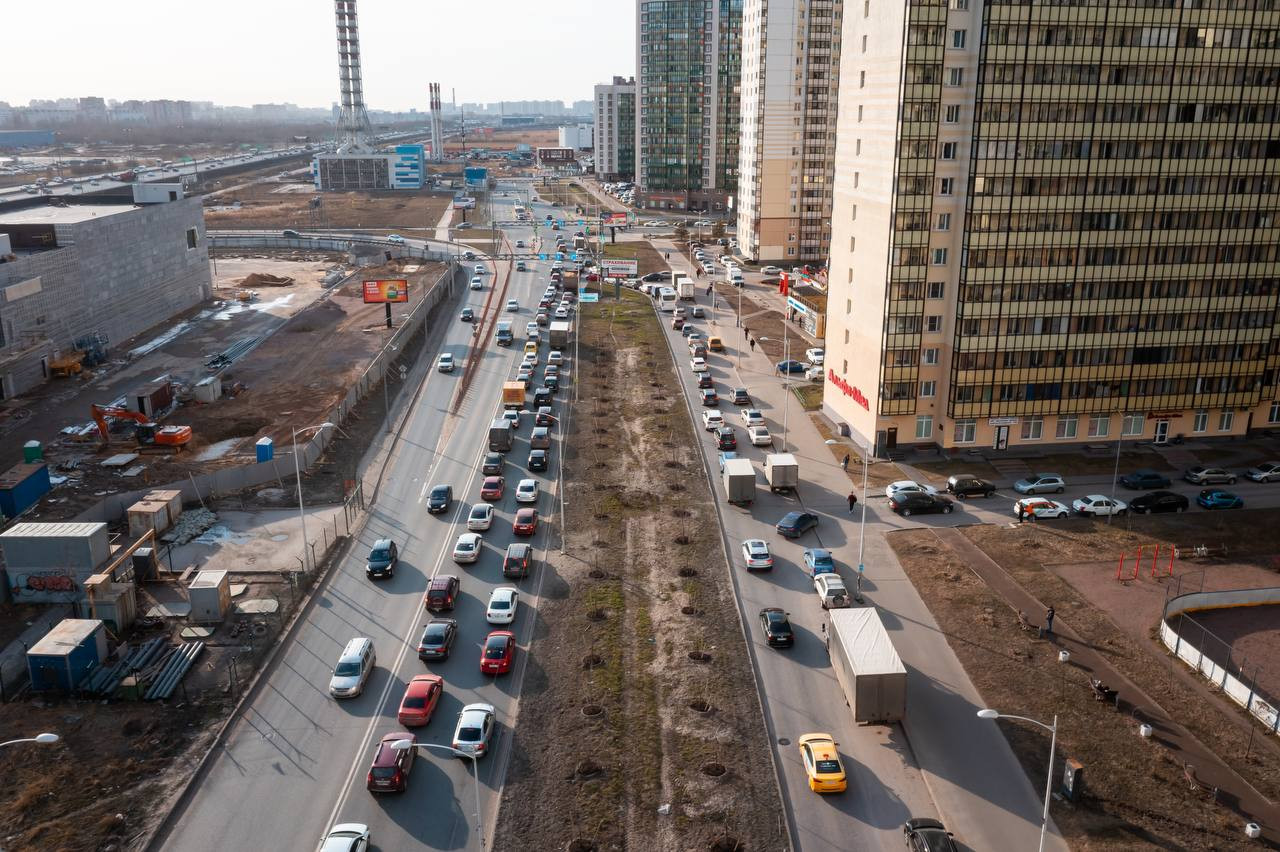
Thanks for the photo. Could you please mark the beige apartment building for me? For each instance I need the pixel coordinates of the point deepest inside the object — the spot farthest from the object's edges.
(790, 70)
(1055, 224)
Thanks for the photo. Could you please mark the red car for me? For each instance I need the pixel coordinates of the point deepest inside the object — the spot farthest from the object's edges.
(390, 770)
(492, 488)
(420, 699)
(526, 522)
(499, 650)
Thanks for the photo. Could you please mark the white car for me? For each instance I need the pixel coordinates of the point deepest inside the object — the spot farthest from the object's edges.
(712, 420)
(815, 356)
(519, 243)
(831, 590)
(346, 837)
(770, 270)
(698, 365)
(513, 415)
(513, 305)
(556, 357)
(474, 730)
(562, 313)
(467, 548)
(1098, 504)
(445, 363)
(481, 517)
(751, 417)
(760, 436)
(1040, 507)
(502, 605)
(702, 223)
(395, 238)
(476, 283)
(530, 360)
(527, 491)
(814, 374)
(481, 269)
(755, 554)
(905, 485)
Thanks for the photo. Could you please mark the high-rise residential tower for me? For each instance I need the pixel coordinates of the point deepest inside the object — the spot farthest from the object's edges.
(1055, 223)
(615, 129)
(790, 71)
(688, 60)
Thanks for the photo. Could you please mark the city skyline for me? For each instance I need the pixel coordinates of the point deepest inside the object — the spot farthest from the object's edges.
(216, 61)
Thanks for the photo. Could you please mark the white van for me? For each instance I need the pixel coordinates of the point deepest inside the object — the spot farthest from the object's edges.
(353, 669)
(735, 277)
(666, 299)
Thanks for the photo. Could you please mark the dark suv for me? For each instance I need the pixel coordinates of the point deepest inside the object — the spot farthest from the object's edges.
(442, 592)
(441, 497)
(382, 559)
(492, 464)
(518, 561)
(963, 485)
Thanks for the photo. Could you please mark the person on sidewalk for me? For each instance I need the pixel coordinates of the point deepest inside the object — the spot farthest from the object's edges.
(1048, 620)
(1022, 514)
(844, 462)
(853, 500)
(746, 332)
(753, 344)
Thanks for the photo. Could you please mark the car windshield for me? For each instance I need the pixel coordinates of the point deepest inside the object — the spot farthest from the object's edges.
(438, 493)
(415, 702)
(828, 767)
(468, 735)
(380, 555)
(347, 669)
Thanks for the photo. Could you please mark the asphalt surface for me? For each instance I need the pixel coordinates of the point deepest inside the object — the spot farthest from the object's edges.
(294, 764)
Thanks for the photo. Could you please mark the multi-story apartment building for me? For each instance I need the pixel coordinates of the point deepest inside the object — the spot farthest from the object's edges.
(615, 129)
(1055, 223)
(688, 61)
(790, 71)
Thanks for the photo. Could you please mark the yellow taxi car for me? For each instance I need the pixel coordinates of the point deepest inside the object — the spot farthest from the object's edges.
(822, 763)
(531, 346)
(715, 344)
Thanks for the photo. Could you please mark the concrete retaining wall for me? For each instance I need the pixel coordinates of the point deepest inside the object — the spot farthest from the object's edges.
(1220, 673)
(274, 242)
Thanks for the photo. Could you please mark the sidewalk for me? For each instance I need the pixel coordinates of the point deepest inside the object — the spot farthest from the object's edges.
(1233, 791)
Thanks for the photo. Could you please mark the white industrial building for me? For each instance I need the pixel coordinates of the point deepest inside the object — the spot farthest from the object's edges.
(576, 136)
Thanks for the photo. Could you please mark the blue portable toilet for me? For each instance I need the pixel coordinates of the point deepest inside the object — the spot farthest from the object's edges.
(66, 654)
(266, 449)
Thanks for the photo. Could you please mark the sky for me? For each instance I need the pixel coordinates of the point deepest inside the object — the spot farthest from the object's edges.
(242, 52)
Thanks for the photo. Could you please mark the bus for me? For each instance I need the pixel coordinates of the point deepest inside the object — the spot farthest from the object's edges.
(666, 299)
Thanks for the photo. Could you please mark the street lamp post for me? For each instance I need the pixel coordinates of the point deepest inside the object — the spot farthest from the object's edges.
(42, 739)
(1053, 742)
(862, 526)
(297, 470)
(403, 745)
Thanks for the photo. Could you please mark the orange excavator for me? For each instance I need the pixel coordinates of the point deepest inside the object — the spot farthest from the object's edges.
(147, 433)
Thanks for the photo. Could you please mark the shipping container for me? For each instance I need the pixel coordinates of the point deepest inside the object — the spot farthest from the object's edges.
(152, 399)
(80, 546)
(67, 653)
(21, 486)
(210, 596)
(866, 665)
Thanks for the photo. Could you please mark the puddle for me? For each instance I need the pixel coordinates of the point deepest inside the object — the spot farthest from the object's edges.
(219, 534)
(218, 450)
(279, 537)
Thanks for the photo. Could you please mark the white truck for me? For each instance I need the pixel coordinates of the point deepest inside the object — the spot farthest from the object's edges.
(739, 482)
(867, 665)
(558, 334)
(683, 285)
(781, 471)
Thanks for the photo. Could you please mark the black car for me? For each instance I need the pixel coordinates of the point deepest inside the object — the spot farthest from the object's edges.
(518, 560)
(655, 277)
(741, 397)
(963, 485)
(927, 835)
(440, 498)
(382, 559)
(492, 464)
(777, 627)
(468, 315)
(796, 524)
(919, 503)
(709, 396)
(437, 639)
(1159, 501)
(726, 438)
(705, 381)
(1143, 479)
(537, 460)
(542, 398)
(543, 417)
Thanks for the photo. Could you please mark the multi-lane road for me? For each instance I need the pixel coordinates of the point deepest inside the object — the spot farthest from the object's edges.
(294, 764)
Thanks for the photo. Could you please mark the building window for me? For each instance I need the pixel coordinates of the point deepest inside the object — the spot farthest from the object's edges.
(946, 186)
(1133, 425)
(939, 257)
(930, 355)
(857, 146)
(955, 76)
(936, 289)
(944, 222)
(857, 178)
(1225, 420)
(933, 322)
(791, 251)
(866, 8)
(844, 367)
(1066, 427)
(859, 112)
(1032, 428)
(924, 427)
(853, 216)
(948, 151)
(959, 5)
(950, 114)
(846, 337)
(192, 237)
(957, 39)
(966, 431)
(1099, 426)
(864, 44)
(929, 389)
(862, 79)
(1273, 416)
(1200, 422)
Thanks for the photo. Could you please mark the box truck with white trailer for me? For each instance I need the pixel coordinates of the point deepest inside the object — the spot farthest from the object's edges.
(781, 471)
(867, 665)
(739, 482)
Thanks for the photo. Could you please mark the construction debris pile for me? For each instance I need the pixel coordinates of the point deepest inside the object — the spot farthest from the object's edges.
(263, 279)
(152, 671)
(190, 524)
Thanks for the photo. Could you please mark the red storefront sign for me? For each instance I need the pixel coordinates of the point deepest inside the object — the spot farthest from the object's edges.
(847, 389)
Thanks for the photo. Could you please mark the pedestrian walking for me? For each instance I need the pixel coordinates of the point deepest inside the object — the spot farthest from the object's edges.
(844, 462)
(1022, 514)
(746, 332)
(853, 500)
(1048, 620)
(753, 344)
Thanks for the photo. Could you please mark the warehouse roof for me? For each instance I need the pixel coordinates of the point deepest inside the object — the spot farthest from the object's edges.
(68, 214)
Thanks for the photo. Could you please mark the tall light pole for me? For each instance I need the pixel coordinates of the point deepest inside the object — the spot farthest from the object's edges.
(42, 739)
(1115, 473)
(404, 745)
(1053, 742)
(862, 526)
(297, 470)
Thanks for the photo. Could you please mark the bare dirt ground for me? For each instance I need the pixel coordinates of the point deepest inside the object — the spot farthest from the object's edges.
(502, 140)
(1253, 635)
(271, 204)
(648, 258)
(638, 694)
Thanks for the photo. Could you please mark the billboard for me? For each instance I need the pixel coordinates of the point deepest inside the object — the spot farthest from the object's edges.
(383, 291)
(616, 219)
(613, 267)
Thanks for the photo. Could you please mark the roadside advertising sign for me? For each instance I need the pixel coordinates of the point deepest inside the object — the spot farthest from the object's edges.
(390, 290)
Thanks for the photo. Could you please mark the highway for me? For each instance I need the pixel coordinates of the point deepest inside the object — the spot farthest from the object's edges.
(294, 764)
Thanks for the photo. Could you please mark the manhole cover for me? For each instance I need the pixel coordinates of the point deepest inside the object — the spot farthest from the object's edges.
(783, 741)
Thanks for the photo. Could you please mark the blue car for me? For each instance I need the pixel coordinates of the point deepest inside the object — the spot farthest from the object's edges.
(725, 456)
(817, 560)
(1212, 498)
(796, 524)
(791, 366)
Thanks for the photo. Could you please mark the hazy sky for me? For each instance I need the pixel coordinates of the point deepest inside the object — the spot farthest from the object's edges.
(272, 51)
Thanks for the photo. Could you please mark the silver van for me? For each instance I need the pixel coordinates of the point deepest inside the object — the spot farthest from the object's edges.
(353, 669)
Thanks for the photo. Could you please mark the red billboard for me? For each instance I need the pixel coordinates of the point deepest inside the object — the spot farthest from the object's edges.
(385, 291)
